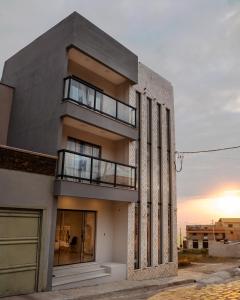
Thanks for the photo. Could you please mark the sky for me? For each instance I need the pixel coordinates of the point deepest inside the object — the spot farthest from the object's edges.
(193, 43)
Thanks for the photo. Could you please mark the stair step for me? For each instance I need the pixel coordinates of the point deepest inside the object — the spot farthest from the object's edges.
(75, 273)
(78, 268)
(77, 280)
(81, 265)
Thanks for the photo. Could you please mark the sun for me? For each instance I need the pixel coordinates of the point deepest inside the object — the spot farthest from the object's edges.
(227, 204)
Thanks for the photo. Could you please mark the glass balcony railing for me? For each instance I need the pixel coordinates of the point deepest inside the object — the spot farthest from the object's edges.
(84, 168)
(84, 94)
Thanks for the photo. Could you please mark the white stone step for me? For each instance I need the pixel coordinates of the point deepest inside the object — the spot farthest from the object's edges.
(78, 274)
(79, 281)
(75, 269)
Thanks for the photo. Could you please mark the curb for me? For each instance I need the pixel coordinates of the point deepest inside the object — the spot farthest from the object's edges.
(154, 287)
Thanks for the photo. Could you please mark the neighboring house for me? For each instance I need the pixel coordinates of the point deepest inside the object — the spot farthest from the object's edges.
(198, 236)
(77, 99)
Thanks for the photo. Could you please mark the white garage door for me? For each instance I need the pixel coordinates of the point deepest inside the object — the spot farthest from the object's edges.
(19, 251)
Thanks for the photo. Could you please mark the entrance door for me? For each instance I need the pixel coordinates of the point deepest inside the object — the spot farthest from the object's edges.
(75, 237)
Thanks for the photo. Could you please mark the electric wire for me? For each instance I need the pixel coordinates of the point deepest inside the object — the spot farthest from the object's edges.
(180, 155)
(208, 150)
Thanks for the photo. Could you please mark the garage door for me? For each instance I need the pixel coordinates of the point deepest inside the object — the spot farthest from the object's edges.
(19, 251)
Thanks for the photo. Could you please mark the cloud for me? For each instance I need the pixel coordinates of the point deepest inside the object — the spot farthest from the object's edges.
(195, 44)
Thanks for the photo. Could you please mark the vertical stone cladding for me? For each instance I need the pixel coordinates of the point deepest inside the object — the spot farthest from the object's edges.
(159, 90)
(165, 188)
(154, 191)
(131, 206)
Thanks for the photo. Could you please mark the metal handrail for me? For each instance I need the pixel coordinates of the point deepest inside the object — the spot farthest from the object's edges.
(61, 169)
(96, 90)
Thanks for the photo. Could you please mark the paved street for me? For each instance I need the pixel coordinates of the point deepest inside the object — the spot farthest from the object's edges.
(225, 291)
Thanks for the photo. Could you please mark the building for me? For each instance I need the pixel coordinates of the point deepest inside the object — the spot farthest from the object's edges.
(77, 99)
(231, 228)
(226, 229)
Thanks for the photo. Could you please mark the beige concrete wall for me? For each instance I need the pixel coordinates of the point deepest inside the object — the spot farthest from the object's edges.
(219, 249)
(112, 150)
(23, 190)
(6, 96)
(120, 229)
(111, 234)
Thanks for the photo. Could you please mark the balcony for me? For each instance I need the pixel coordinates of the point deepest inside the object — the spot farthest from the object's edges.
(84, 168)
(83, 94)
(86, 176)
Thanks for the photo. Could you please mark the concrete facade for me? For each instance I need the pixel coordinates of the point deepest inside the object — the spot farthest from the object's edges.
(6, 96)
(43, 119)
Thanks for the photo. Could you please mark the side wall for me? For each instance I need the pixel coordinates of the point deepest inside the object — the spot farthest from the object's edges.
(6, 95)
(23, 190)
(220, 249)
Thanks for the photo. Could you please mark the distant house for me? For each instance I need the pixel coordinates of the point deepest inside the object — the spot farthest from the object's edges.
(198, 236)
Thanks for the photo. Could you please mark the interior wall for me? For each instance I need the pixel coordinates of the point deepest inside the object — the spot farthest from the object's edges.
(120, 91)
(94, 79)
(116, 151)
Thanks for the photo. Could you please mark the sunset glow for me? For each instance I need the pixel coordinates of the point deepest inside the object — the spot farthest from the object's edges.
(227, 204)
(205, 210)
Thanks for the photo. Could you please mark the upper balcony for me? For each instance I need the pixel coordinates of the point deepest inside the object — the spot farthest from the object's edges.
(86, 95)
(98, 96)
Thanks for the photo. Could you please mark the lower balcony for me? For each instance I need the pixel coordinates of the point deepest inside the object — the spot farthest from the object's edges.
(86, 176)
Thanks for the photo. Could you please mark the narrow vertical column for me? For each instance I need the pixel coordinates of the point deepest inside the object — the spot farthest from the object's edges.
(130, 245)
(131, 206)
(173, 191)
(165, 189)
(143, 187)
(155, 177)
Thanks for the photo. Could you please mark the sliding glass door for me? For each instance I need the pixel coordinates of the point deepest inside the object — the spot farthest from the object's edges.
(75, 237)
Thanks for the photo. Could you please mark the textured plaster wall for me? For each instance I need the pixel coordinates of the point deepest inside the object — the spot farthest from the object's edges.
(153, 86)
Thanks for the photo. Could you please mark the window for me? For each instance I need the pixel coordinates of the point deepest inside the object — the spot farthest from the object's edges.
(205, 244)
(79, 166)
(195, 244)
(230, 225)
(83, 147)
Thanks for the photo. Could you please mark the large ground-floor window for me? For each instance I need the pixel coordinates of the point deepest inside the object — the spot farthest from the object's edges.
(75, 237)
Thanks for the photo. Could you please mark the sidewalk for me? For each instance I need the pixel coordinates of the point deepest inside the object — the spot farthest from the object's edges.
(92, 292)
(200, 272)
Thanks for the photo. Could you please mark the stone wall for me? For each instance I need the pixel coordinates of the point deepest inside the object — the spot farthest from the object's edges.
(20, 160)
(153, 86)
